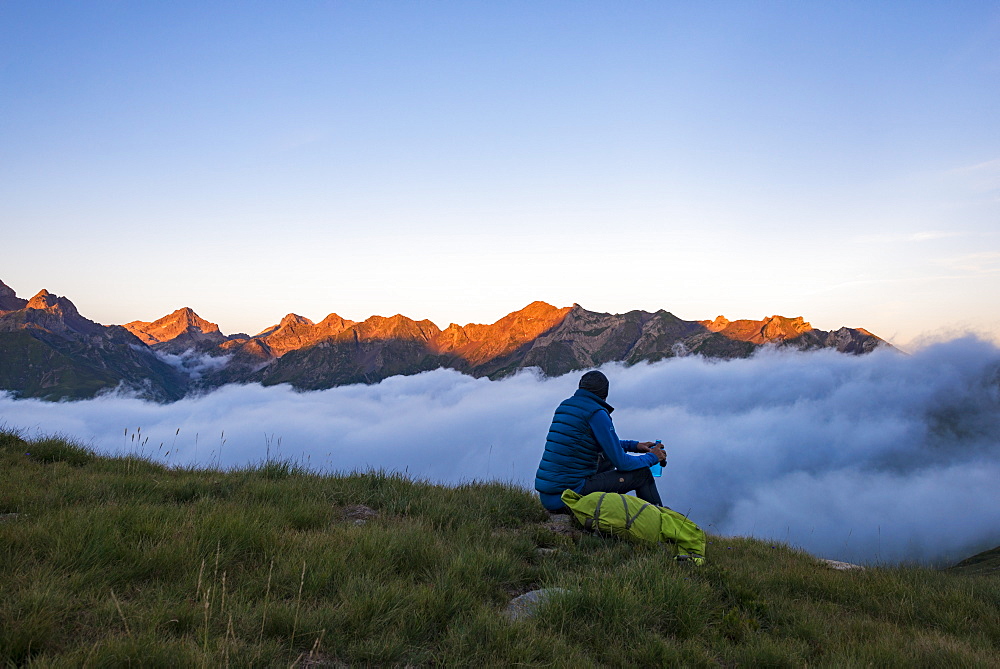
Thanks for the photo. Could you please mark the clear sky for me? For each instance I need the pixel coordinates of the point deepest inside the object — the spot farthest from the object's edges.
(458, 160)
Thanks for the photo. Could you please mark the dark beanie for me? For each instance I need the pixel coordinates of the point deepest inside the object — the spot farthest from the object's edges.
(596, 383)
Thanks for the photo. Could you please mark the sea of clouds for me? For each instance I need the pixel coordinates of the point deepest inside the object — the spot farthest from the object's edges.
(883, 458)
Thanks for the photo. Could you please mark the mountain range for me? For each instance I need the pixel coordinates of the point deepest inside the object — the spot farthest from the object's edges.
(49, 350)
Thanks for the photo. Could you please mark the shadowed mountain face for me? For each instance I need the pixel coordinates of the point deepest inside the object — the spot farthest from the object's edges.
(337, 351)
(9, 301)
(48, 350)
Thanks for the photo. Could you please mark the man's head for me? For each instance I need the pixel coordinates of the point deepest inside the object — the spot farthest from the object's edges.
(596, 383)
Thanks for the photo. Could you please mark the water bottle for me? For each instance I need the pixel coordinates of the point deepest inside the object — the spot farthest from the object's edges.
(657, 469)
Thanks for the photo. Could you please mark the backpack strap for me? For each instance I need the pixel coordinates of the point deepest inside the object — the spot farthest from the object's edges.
(628, 520)
(591, 523)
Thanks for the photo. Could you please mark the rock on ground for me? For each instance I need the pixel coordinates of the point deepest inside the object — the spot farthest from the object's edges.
(840, 566)
(527, 604)
(360, 514)
(562, 524)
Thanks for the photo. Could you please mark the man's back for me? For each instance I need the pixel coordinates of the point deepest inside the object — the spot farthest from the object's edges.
(581, 432)
(571, 451)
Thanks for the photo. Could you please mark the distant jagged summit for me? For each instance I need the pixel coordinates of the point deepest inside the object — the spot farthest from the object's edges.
(289, 321)
(44, 300)
(292, 333)
(769, 329)
(778, 329)
(182, 328)
(337, 351)
(56, 314)
(478, 344)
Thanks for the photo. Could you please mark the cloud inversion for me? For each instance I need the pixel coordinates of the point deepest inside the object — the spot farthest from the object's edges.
(879, 458)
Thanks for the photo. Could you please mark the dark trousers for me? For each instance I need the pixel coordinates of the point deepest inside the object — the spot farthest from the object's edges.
(609, 479)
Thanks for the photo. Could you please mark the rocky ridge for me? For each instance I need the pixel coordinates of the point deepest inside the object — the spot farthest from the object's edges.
(337, 351)
(179, 331)
(49, 350)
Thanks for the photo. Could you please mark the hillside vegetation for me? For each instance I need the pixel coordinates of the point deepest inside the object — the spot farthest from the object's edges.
(118, 561)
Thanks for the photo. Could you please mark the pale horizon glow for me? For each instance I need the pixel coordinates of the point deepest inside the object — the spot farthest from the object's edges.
(457, 161)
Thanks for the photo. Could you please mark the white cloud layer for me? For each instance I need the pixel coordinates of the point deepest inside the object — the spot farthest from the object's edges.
(193, 363)
(882, 458)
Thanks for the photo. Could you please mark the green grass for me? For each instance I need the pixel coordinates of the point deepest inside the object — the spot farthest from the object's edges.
(121, 561)
(987, 562)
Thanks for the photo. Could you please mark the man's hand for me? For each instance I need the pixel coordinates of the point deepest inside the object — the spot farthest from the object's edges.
(654, 448)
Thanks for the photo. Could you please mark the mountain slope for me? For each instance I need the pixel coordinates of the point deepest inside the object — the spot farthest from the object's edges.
(48, 350)
(71, 356)
(980, 564)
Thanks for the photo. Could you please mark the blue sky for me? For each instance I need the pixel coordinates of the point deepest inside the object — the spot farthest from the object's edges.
(457, 160)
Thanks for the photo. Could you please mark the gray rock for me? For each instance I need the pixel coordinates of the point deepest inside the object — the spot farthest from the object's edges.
(9, 517)
(360, 514)
(527, 604)
(562, 524)
(544, 552)
(840, 566)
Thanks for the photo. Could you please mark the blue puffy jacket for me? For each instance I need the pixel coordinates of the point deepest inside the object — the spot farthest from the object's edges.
(581, 431)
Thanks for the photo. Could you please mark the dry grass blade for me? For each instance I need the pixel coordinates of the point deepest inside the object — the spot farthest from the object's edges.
(121, 613)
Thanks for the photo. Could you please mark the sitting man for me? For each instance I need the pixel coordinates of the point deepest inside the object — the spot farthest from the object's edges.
(581, 433)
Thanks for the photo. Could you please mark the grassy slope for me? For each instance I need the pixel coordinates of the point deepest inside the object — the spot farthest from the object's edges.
(21, 355)
(987, 562)
(115, 561)
(50, 367)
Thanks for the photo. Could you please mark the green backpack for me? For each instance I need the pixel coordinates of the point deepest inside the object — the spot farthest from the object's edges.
(635, 519)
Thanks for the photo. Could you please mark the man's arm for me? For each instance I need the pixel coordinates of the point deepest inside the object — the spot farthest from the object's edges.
(604, 432)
